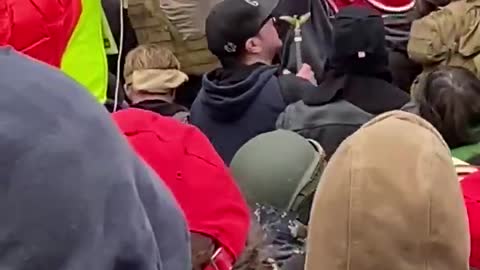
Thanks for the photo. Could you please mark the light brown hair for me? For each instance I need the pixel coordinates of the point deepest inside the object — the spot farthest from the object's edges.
(150, 56)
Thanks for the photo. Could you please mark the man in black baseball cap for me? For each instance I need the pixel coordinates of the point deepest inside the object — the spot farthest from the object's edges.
(243, 30)
(243, 98)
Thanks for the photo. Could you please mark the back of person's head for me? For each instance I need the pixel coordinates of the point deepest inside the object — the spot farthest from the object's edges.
(74, 195)
(150, 56)
(243, 32)
(183, 157)
(389, 198)
(280, 169)
(449, 98)
(359, 41)
(153, 69)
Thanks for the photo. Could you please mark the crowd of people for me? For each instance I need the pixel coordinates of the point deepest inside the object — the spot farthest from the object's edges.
(370, 165)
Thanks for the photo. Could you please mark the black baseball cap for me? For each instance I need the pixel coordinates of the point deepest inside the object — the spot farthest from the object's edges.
(232, 22)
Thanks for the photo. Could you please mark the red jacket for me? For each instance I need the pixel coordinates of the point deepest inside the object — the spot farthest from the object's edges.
(471, 193)
(39, 28)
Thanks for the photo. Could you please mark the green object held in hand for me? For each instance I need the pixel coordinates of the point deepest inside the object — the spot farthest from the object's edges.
(295, 20)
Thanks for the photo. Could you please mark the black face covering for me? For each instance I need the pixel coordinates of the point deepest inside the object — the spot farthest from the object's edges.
(359, 43)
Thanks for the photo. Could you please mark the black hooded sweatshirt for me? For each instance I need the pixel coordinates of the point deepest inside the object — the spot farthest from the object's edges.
(73, 194)
(235, 105)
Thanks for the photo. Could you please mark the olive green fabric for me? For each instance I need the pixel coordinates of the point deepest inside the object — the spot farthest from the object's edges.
(279, 168)
(467, 152)
(448, 36)
(178, 25)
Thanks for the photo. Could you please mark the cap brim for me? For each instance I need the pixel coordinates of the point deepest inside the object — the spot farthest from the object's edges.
(268, 6)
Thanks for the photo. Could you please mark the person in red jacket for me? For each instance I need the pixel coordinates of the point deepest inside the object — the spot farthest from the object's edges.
(383, 6)
(216, 212)
(68, 35)
(471, 194)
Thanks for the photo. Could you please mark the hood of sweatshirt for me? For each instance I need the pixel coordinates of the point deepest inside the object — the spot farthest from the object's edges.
(389, 199)
(228, 93)
(74, 195)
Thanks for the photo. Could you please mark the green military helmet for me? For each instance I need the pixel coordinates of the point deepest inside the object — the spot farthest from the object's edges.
(280, 169)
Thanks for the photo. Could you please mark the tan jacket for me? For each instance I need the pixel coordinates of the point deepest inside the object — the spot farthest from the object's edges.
(389, 199)
(449, 36)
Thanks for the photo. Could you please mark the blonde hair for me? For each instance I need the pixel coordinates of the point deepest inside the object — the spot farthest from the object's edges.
(150, 56)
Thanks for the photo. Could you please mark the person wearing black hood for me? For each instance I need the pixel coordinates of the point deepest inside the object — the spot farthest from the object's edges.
(74, 195)
(243, 98)
(355, 90)
(360, 72)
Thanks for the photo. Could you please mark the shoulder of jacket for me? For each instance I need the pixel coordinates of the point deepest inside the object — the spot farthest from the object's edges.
(287, 118)
(197, 146)
(457, 8)
(441, 13)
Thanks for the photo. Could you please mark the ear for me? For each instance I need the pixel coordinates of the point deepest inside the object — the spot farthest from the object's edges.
(253, 45)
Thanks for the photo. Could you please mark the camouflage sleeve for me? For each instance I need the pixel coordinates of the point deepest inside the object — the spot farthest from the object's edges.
(432, 37)
(468, 44)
